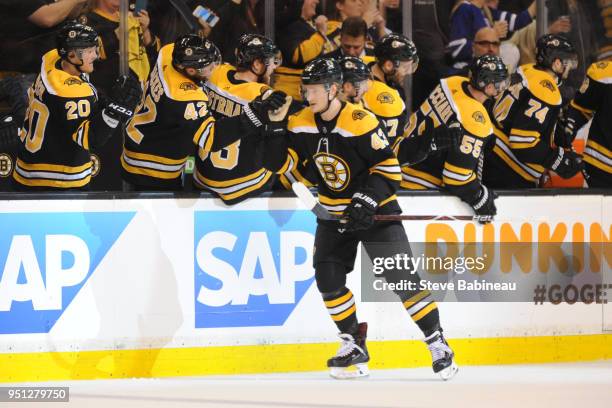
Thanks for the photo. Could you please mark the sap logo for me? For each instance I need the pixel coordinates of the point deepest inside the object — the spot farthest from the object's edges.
(248, 270)
(45, 259)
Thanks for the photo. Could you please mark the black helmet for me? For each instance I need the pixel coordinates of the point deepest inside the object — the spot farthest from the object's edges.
(551, 47)
(193, 51)
(488, 69)
(354, 69)
(74, 35)
(324, 71)
(395, 48)
(252, 47)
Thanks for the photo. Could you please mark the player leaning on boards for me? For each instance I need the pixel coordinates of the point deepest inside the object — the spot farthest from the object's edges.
(357, 177)
(356, 79)
(525, 118)
(457, 100)
(174, 117)
(235, 172)
(594, 101)
(65, 117)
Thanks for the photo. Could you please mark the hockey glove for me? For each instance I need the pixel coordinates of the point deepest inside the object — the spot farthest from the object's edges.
(359, 214)
(258, 110)
(9, 133)
(483, 205)
(446, 137)
(565, 132)
(565, 163)
(123, 99)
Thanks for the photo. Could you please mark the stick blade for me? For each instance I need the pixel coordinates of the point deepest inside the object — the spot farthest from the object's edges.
(308, 199)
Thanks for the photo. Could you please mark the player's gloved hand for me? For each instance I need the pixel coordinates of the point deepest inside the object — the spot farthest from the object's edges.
(258, 110)
(9, 133)
(359, 214)
(483, 205)
(446, 137)
(124, 96)
(565, 163)
(565, 132)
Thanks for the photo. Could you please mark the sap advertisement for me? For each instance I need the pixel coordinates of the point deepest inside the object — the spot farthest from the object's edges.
(137, 273)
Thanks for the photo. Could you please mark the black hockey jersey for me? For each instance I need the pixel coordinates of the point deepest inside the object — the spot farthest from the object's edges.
(524, 118)
(56, 133)
(454, 169)
(349, 153)
(235, 172)
(172, 118)
(594, 101)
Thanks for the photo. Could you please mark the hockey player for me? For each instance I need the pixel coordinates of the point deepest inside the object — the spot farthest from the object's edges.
(356, 78)
(594, 101)
(235, 172)
(357, 177)
(396, 57)
(457, 99)
(65, 117)
(174, 116)
(525, 118)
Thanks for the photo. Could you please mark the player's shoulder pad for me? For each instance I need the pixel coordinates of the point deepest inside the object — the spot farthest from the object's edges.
(601, 72)
(60, 83)
(383, 100)
(242, 92)
(353, 121)
(368, 59)
(471, 114)
(541, 84)
(303, 121)
(176, 86)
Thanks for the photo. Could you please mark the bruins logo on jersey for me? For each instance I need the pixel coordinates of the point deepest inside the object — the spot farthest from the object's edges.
(385, 97)
(96, 165)
(548, 85)
(358, 115)
(478, 117)
(188, 86)
(602, 64)
(73, 81)
(6, 165)
(334, 170)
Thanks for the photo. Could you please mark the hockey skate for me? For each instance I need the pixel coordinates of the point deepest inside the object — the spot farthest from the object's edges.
(441, 356)
(351, 360)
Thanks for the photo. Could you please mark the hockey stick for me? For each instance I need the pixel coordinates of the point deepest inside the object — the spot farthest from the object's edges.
(308, 199)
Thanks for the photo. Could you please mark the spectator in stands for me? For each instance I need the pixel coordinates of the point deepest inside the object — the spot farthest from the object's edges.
(353, 35)
(486, 41)
(143, 44)
(468, 17)
(301, 42)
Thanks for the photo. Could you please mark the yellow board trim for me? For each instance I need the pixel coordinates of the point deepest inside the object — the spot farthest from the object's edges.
(278, 358)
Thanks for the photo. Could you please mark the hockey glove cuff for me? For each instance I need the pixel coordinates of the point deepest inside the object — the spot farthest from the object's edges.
(483, 205)
(359, 214)
(565, 163)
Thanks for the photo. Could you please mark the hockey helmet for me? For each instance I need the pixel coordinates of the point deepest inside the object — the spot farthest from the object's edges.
(551, 47)
(193, 51)
(73, 36)
(489, 69)
(324, 71)
(396, 48)
(253, 47)
(354, 69)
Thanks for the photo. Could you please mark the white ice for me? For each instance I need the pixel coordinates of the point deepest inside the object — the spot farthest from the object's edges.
(575, 385)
